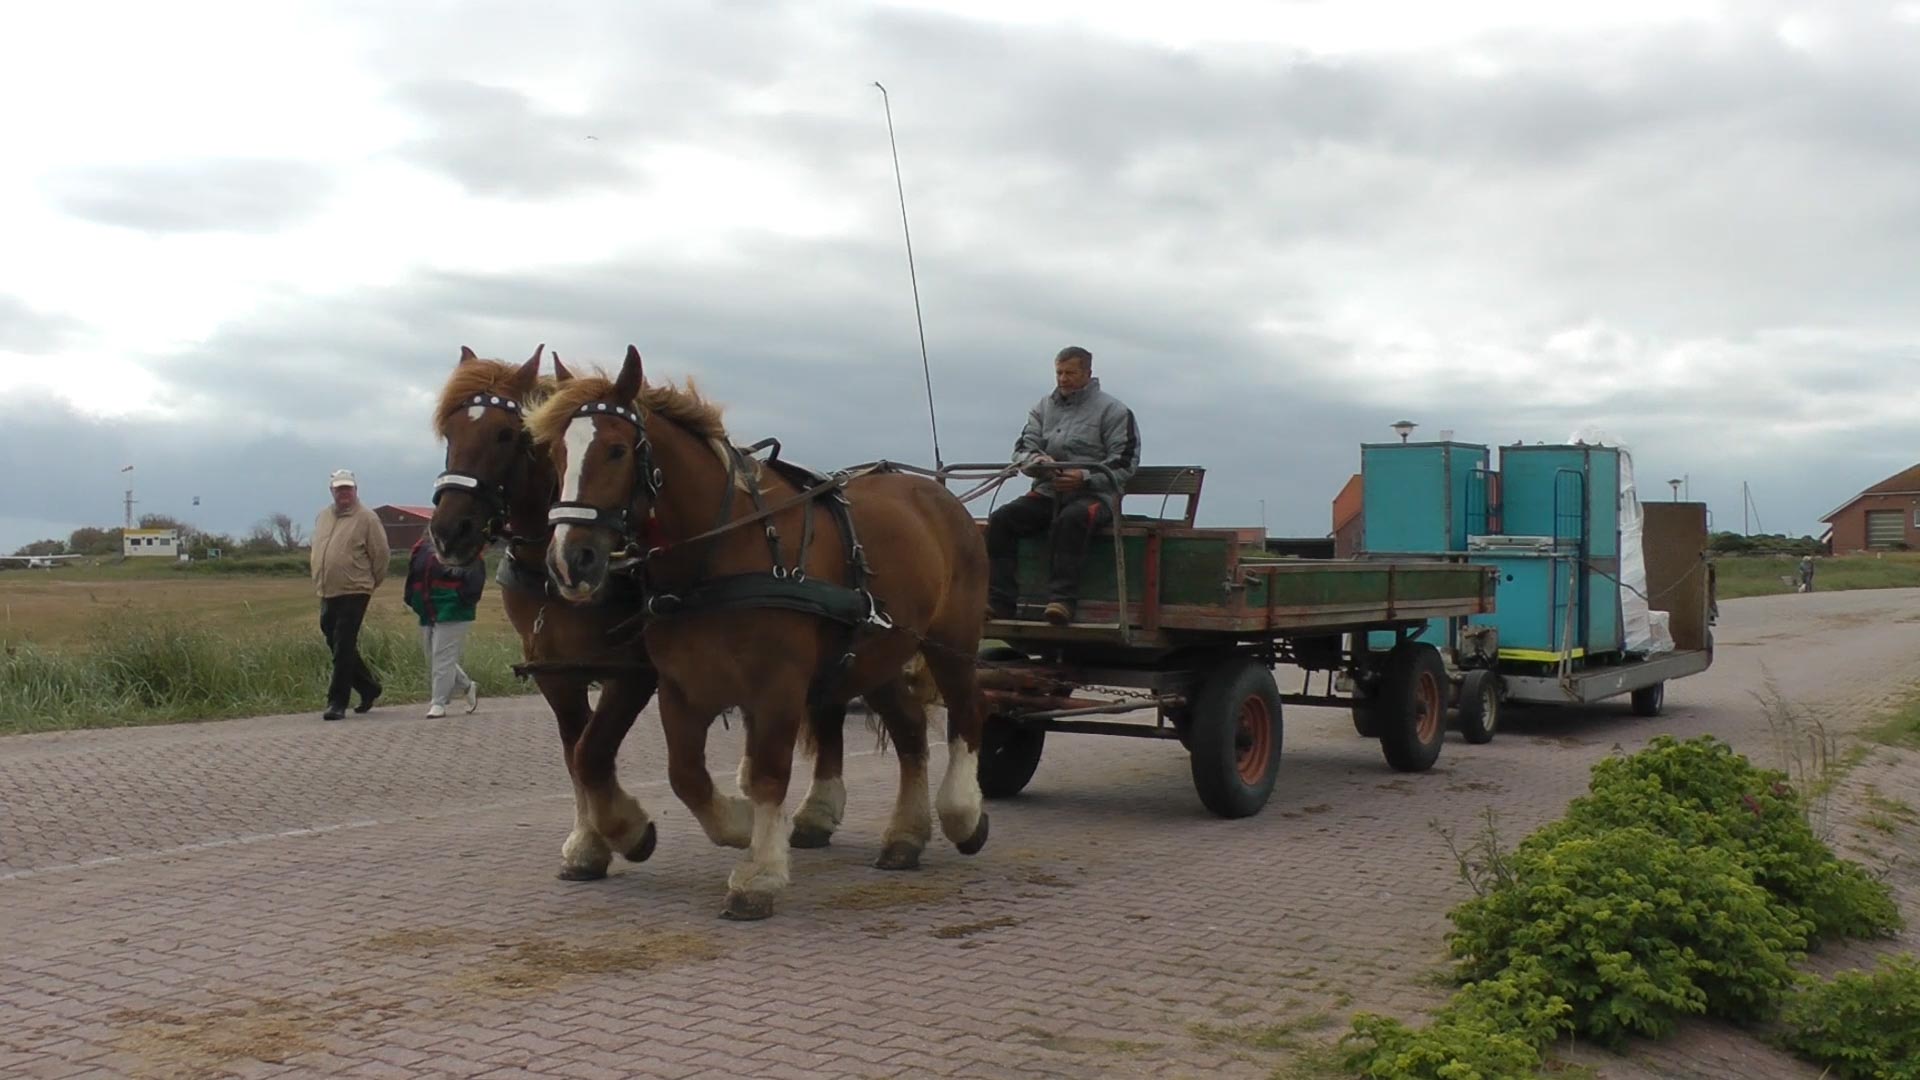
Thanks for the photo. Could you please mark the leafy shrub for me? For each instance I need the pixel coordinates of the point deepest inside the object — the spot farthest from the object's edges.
(1634, 930)
(1861, 1026)
(1702, 794)
(1491, 1030)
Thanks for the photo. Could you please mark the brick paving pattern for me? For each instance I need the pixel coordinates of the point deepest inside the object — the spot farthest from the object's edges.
(376, 897)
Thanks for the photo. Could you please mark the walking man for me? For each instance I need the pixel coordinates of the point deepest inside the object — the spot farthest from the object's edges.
(348, 561)
(1076, 422)
(445, 599)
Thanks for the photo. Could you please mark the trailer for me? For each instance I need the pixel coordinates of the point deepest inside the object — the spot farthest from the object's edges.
(1601, 596)
(1179, 630)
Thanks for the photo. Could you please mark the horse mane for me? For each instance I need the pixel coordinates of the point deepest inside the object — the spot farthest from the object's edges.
(683, 405)
(484, 377)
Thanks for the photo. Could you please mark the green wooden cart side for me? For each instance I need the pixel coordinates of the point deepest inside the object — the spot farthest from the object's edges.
(1183, 581)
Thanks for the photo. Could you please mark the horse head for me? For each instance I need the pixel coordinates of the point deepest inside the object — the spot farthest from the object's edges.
(595, 429)
(481, 416)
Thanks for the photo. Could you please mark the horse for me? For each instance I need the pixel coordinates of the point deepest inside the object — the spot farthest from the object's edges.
(496, 486)
(740, 618)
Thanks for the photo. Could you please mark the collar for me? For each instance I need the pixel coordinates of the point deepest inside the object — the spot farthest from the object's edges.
(1092, 387)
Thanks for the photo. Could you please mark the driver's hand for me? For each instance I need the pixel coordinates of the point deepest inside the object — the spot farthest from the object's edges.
(1070, 480)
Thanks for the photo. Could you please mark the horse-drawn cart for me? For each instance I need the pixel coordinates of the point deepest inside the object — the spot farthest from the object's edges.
(1184, 625)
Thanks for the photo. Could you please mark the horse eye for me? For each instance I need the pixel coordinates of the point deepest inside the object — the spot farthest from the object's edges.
(616, 452)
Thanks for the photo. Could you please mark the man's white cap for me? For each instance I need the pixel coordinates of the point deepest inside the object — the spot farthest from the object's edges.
(342, 478)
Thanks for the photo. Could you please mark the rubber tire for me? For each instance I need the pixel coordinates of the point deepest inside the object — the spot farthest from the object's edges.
(1215, 754)
(1479, 715)
(1413, 668)
(1364, 724)
(1650, 700)
(1009, 754)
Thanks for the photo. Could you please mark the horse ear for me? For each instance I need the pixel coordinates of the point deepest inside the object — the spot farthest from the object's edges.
(560, 372)
(529, 372)
(466, 355)
(631, 377)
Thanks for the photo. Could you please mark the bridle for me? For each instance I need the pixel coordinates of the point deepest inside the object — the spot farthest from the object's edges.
(647, 480)
(492, 497)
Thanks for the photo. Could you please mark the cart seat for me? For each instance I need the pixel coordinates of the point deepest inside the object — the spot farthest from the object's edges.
(1166, 481)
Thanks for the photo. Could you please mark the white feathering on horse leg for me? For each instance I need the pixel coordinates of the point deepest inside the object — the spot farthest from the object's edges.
(960, 806)
(584, 849)
(764, 870)
(824, 806)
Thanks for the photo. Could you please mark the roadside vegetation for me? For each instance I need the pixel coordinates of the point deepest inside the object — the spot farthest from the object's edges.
(1738, 575)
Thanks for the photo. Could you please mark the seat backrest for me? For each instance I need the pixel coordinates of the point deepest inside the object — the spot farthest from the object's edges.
(1170, 480)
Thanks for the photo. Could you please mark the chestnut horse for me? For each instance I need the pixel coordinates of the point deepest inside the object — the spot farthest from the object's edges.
(496, 487)
(770, 609)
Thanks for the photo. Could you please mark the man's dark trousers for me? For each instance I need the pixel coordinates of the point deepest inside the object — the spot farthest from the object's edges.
(1072, 521)
(340, 619)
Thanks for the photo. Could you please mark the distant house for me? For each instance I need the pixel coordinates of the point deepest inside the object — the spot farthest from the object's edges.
(1348, 521)
(1884, 517)
(405, 525)
(150, 543)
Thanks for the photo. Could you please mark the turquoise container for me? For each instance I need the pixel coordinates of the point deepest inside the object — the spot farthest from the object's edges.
(1416, 497)
(1570, 493)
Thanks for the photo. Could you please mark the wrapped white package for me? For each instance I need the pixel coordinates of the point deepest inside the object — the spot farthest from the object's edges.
(1646, 631)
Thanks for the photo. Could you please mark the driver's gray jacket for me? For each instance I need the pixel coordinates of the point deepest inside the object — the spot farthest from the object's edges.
(1086, 425)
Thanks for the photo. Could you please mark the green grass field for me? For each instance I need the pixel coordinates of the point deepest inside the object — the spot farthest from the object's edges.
(154, 642)
(1760, 575)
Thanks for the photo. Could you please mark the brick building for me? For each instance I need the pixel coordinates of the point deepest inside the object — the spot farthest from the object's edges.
(1885, 517)
(1348, 522)
(404, 524)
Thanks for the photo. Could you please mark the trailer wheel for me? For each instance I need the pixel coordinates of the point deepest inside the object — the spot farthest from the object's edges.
(1236, 739)
(1365, 721)
(1413, 707)
(1649, 700)
(1009, 752)
(1479, 706)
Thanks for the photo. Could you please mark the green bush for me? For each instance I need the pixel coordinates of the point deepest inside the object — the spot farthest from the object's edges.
(1702, 794)
(1861, 1026)
(1491, 1030)
(1634, 930)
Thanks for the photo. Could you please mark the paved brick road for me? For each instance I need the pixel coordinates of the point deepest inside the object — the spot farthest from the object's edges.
(279, 897)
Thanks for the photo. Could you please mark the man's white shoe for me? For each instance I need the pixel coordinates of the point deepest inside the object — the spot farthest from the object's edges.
(473, 696)
(436, 711)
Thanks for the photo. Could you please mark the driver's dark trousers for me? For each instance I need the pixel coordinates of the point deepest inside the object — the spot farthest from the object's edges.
(1072, 523)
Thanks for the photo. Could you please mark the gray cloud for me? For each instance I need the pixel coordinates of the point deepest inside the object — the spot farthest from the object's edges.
(246, 195)
(28, 330)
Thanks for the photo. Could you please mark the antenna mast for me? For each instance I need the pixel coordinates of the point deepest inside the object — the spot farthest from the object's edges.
(926, 367)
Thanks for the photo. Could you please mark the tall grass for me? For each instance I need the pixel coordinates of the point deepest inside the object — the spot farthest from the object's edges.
(1736, 576)
(151, 672)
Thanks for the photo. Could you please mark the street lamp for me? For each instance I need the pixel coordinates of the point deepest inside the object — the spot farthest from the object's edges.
(1404, 428)
(1675, 484)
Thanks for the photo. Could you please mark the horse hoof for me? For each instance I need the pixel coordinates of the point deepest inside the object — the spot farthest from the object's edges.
(648, 841)
(972, 844)
(809, 836)
(582, 873)
(898, 855)
(747, 907)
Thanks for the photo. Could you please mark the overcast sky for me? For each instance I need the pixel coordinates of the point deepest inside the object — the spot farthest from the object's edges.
(245, 242)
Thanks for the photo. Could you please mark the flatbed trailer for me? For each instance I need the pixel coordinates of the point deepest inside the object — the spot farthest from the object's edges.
(1177, 634)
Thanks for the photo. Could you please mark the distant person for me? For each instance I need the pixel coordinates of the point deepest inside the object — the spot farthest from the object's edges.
(445, 599)
(1806, 573)
(348, 561)
(1076, 422)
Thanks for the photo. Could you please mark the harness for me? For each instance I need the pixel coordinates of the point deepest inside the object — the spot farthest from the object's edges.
(781, 587)
(492, 497)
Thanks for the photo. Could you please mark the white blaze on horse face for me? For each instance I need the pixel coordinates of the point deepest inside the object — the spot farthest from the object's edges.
(578, 439)
(474, 412)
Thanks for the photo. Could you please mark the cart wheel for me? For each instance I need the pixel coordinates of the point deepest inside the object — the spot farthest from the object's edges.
(1009, 756)
(1364, 722)
(1479, 706)
(1649, 700)
(1413, 707)
(1236, 739)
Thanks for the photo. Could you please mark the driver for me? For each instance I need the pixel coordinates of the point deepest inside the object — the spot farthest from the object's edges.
(1078, 422)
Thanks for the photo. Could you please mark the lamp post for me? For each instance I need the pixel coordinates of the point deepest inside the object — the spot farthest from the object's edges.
(1675, 485)
(1404, 428)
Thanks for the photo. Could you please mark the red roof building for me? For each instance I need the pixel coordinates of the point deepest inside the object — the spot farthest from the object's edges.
(1884, 517)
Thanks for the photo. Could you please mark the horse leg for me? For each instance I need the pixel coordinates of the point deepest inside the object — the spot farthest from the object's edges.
(617, 816)
(762, 875)
(585, 854)
(962, 817)
(826, 802)
(727, 819)
(911, 825)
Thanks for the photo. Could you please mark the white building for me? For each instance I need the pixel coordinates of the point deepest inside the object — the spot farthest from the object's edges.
(161, 543)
